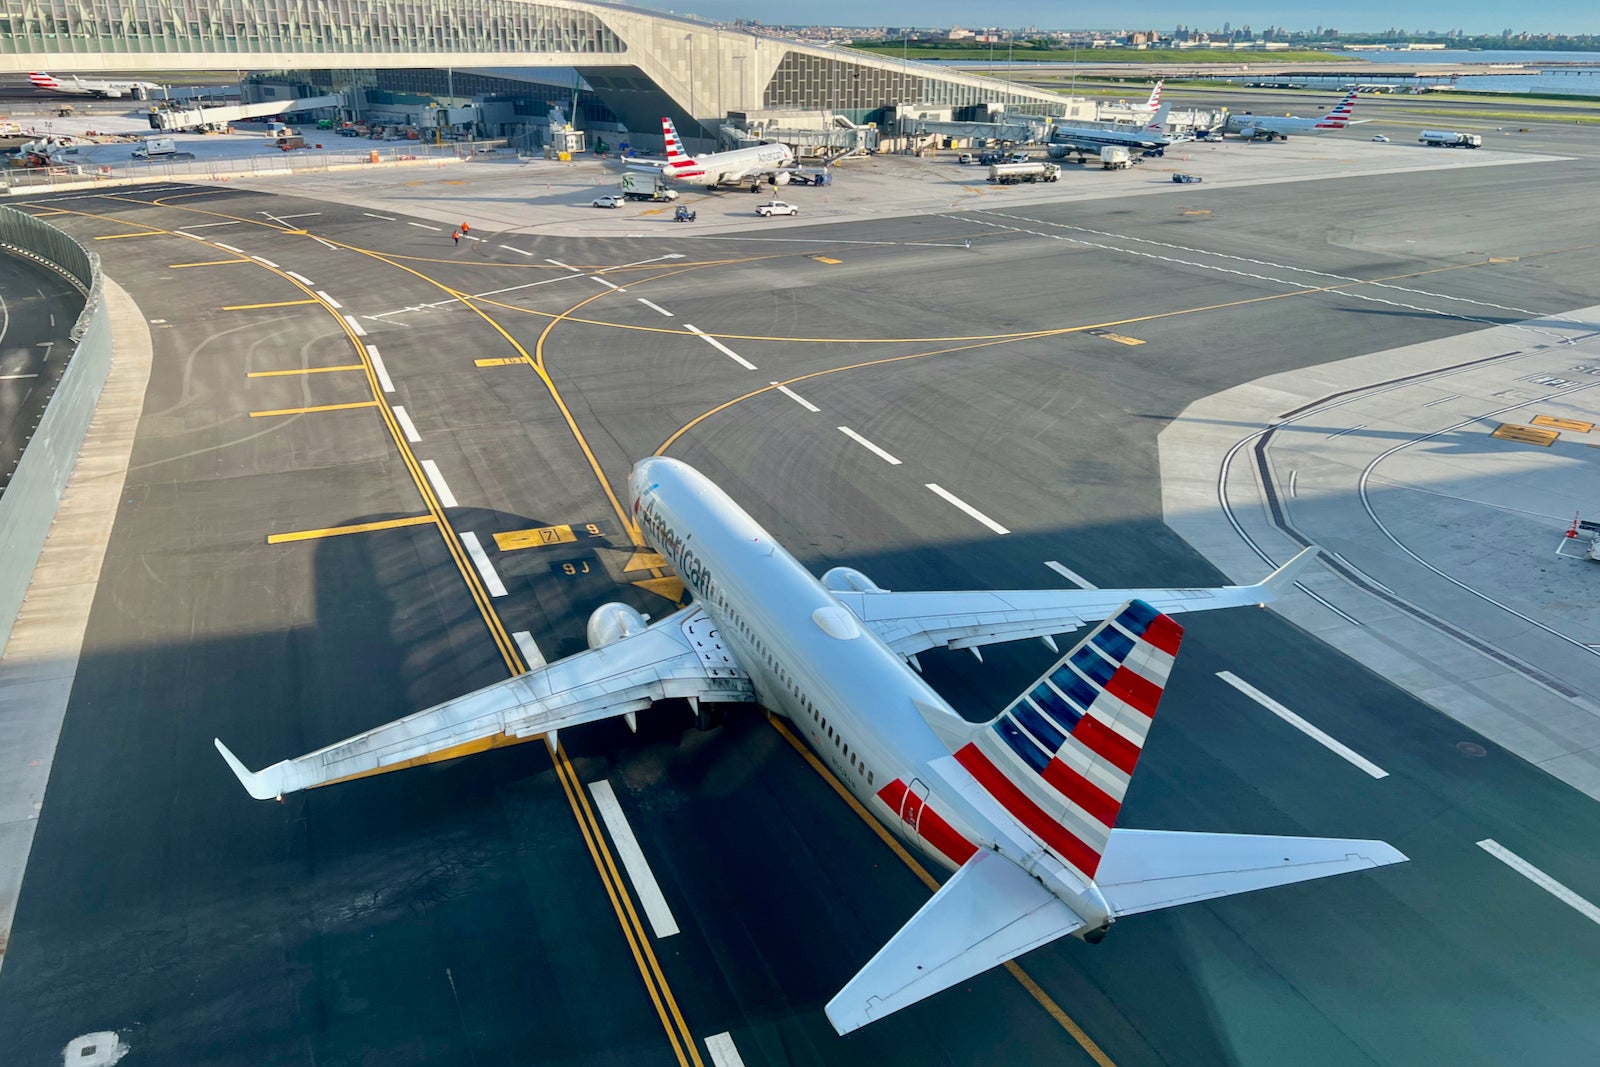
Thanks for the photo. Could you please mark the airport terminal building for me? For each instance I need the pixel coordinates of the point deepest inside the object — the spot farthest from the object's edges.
(639, 64)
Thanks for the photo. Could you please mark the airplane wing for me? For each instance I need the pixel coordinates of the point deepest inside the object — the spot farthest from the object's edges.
(912, 622)
(989, 912)
(680, 656)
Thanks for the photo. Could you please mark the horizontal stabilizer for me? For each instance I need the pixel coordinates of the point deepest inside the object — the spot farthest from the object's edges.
(1143, 870)
(990, 911)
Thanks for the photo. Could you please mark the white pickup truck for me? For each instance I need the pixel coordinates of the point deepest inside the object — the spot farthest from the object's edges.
(776, 207)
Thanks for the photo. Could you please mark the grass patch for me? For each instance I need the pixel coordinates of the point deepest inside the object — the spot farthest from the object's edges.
(979, 54)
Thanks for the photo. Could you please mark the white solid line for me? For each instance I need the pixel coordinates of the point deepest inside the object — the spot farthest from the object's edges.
(301, 278)
(869, 446)
(603, 282)
(968, 508)
(15, 377)
(235, 251)
(407, 425)
(1300, 724)
(797, 398)
(421, 226)
(723, 1054)
(654, 307)
(356, 326)
(1540, 879)
(518, 251)
(302, 215)
(383, 372)
(633, 861)
(329, 299)
(264, 259)
(562, 265)
(446, 497)
(1070, 575)
(720, 347)
(207, 225)
(491, 580)
(530, 649)
(370, 215)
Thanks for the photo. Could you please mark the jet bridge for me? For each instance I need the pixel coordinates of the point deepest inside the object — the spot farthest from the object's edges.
(195, 118)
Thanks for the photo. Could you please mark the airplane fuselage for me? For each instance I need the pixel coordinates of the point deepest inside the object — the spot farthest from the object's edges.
(728, 168)
(811, 661)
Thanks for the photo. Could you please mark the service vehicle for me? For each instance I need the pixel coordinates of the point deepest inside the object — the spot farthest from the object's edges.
(964, 158)
(156, 146)
(1450, 139)
(1115, 157)
(609, 200)
(1016, 173)
(652, 187)
(1380, 139)
(1185, 179)
(776, 207)
(684, 214)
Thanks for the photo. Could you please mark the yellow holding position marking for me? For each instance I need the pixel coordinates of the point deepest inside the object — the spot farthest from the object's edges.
(1528, 435)
(1563, 424)
(499, 361)
(340, 531)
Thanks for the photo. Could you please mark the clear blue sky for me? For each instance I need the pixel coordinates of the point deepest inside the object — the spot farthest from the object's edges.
(1473, 16)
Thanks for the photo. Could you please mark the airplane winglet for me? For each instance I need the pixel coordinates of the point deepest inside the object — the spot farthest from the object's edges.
(1282, 580)
(258, 786)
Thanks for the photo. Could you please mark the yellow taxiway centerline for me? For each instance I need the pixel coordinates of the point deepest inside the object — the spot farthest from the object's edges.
(207, 263)
(360, 527)
(319, 407)
(304, 370)
(274, 304)
(120, 236)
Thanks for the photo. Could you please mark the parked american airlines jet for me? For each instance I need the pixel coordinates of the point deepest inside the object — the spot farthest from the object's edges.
(1145, 136)
(1266, 127)
(763, 162)
(1152, 105)
(1022, 808)
(76, 86)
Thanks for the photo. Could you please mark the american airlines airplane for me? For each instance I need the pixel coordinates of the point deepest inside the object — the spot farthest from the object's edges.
(77, 86)
(1084, 140)
(1266, 127)
(1152, 105)
(763, 162)
(1022, 808)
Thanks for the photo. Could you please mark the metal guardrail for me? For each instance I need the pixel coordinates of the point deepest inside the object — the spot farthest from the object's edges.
(28, 505)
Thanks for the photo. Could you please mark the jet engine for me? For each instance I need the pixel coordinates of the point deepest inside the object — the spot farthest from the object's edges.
(1058, 151)
(1249, 133)
(781, 178)
(849, 580)
(612, 622)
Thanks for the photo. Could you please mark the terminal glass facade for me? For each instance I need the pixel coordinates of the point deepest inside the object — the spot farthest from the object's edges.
(806, 80)
(309, 27)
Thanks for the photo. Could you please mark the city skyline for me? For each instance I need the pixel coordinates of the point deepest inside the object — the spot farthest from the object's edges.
(1474, 17)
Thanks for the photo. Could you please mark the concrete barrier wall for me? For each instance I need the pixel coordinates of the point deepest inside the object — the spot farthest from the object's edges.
(28, 504)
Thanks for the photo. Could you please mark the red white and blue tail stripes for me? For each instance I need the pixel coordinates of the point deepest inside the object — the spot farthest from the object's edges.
(675, 152)
(43, 81)
(1059, 759)
(1339, 117)
(1154, 103)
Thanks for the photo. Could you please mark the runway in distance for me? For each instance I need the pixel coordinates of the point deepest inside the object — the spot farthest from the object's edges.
(1088, 140)
(741, 166)
(76, 86)
(1022, 808)
(1266, 127)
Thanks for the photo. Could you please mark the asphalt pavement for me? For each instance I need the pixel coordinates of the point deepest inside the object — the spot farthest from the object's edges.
(1022, 357)
(37, 309)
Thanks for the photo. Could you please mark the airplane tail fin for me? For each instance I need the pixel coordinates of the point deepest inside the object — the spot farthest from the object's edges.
(675, 152)
(1154, 102)
(1339, 117)
(1060, 757)
(42, 80)
(1158, 121)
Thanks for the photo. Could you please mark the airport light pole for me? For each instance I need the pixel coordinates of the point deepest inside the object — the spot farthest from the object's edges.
(688, 41)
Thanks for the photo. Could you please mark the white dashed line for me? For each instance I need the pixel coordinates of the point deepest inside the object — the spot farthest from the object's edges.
(654, 307)
(356, 326)
(235, 251)
(1338, 748)
(530, 649)
(562, 265)
(869, 446)
(301, 278)
(1070, 575)
(268, 262)
(1540, 879)
(723, 1052)
(331, 301)
(190, 236)
(605, 283)
(797, 398)
(720, 347)
(325, 244)
(370, 215)
(406, 425)
(382, 371)
(633, 861)
(966, 507)
(446, 497)
(422, 226)
(491, 580)
(518, 251)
